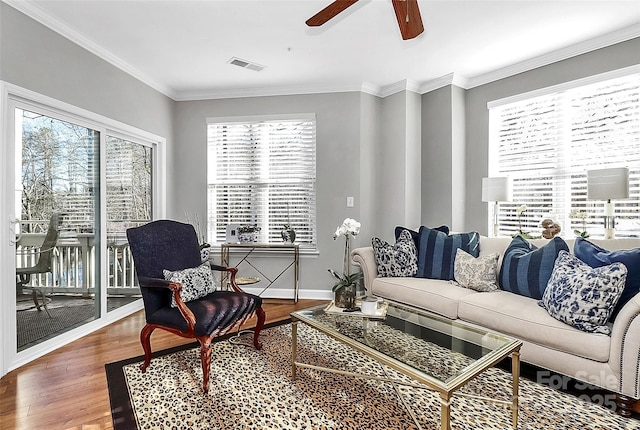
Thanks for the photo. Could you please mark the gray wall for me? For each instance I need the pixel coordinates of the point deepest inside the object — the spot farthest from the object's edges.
(413, 185)
(397, 164)
(391, 165)
(370, 158)
(338, 118)
(437, 158)
(458, 164)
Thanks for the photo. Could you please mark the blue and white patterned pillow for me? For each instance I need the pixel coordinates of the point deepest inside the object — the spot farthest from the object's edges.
(582, 296)
(400, 259)
(596, 256)
(196, 282)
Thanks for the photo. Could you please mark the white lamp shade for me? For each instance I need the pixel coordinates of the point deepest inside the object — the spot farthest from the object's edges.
(496, 189)
(605, 184)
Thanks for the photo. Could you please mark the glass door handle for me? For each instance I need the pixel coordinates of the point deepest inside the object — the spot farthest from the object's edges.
(15, 231)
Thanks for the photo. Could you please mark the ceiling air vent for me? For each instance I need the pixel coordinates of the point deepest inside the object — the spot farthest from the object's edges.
(246, 64)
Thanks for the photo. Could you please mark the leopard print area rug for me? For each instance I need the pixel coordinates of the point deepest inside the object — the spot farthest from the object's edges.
(253, 390)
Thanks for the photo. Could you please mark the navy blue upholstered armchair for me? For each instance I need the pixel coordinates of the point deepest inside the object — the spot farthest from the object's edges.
(173, 246)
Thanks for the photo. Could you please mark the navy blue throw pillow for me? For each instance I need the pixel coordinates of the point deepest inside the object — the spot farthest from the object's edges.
(596, 256)
(416, 235)
(526, 269)
(437, 252)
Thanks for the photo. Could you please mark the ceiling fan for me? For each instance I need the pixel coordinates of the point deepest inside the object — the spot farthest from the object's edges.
(407, 14)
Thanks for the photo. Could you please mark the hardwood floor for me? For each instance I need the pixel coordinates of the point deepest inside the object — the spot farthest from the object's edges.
(67, 388)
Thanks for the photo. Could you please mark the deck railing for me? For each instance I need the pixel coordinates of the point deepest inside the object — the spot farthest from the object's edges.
(74, 263)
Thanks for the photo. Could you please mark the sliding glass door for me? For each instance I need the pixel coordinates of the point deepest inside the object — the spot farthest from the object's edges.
(57, 207)
(129, 192)
(73, 183)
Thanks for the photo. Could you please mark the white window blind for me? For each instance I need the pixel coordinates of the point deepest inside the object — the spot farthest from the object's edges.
(263, 172)
(547, 143)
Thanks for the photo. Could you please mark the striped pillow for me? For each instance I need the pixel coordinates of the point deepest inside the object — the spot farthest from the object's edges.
(437, 252)
(526, 269)
(415, 235)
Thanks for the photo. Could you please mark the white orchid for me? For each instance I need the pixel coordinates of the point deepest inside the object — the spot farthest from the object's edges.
(349, 227)
(522, 209)
(576, 213)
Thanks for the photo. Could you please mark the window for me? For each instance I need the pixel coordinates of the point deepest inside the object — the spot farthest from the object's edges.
(262, 171)
(547, 142)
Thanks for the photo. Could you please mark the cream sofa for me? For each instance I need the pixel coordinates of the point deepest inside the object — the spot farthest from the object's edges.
(610, 362)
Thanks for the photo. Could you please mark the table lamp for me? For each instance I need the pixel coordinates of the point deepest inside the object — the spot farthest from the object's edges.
(496, 189)
(608, 184)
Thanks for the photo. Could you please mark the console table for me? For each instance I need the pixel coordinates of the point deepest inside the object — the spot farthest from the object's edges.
(247, 249)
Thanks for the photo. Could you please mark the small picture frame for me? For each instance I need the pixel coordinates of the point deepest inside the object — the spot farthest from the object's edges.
(232, 233)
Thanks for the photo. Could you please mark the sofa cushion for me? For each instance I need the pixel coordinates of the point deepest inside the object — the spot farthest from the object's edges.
(434, 295)
(437, 252)
(400, 259)
(526, 269)
(582, 296)
(595, 256)
(480, 274)
(522, 318)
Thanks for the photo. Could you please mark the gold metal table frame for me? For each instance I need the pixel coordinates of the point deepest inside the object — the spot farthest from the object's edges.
(424, 380)
(292, 249)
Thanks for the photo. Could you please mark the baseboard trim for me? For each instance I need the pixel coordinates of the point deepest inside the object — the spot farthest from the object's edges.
(287, 293)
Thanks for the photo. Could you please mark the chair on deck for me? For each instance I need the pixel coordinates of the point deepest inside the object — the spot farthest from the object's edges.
(170, 272)
(43, 264)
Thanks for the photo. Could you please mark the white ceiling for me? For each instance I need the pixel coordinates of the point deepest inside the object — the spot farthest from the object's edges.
(182, 48)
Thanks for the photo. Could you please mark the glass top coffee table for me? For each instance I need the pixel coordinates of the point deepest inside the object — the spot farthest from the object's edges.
(416, 343)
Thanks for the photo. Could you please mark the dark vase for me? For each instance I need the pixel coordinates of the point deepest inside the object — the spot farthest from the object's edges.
(345, 297)
(288, 234)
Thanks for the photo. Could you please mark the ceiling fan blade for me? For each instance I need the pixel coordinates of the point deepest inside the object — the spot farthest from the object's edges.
(409, 19)
(329, 12)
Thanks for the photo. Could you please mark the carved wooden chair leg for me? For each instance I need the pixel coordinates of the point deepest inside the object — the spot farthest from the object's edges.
(259, 325)
(205, 358)
(145, 340)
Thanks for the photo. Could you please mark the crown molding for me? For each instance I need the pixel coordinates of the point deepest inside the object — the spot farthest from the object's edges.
(372, 89)
(403, 85)
(449, 79)
(603, 41)
(35, 12)
(271, 91)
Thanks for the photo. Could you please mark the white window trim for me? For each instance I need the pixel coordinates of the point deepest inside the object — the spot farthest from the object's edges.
(493, 129)
(565, 86)
(307, 249)
(258, 118)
